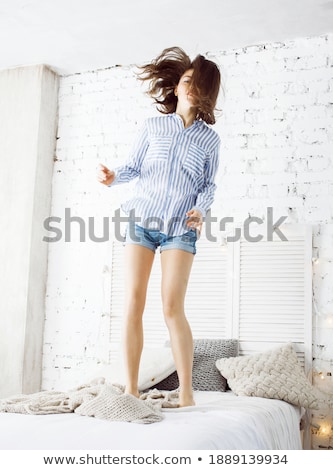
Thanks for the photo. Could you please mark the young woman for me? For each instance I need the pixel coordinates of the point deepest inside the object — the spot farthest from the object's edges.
(175, 160)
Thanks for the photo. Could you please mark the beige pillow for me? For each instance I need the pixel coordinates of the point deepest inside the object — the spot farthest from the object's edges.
(272, 374)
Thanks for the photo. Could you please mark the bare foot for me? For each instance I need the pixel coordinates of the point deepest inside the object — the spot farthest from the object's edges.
(182, 405)
(186, 401)
(135, 393)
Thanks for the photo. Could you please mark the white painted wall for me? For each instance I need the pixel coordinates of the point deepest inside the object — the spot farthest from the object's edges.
(28, 107)
(276, 130)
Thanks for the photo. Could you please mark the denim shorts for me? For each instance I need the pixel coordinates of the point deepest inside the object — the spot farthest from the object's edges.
(152, 239)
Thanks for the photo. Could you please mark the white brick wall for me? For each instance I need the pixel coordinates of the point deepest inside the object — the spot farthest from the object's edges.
(277, 132)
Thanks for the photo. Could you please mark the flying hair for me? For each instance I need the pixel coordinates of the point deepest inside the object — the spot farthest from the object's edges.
(164, 73)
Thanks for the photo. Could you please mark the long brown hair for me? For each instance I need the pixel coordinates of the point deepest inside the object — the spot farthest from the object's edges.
(164, 73)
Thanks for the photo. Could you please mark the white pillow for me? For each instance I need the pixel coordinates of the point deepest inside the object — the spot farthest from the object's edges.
(156, 364)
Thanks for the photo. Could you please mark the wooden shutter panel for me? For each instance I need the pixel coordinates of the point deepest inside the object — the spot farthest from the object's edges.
(206, 303)
(258, 292)
(207, 297)
(273, 292)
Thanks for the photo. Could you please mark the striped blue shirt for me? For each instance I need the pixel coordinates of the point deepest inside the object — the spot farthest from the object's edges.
(176, 168)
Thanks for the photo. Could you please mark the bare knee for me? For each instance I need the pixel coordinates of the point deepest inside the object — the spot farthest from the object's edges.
(134, 306)
(172, 311)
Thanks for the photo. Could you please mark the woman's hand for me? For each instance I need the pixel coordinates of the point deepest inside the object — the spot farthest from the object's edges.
(194, 219)
(104, 175)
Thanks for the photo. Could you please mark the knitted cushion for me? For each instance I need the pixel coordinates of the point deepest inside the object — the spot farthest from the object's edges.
(272, 374)
(205, 374)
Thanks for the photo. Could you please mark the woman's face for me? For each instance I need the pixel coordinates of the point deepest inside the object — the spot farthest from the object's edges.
(184, 89)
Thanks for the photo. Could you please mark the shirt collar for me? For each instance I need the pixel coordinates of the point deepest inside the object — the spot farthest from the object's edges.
(179, 119)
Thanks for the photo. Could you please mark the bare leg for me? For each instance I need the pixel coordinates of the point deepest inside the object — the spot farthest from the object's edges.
(176, 268)
(138, 263)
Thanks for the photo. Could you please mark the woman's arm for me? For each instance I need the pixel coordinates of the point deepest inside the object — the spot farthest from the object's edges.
(132, 168)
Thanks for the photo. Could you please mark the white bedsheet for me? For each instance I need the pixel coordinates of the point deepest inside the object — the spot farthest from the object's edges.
(218, 421)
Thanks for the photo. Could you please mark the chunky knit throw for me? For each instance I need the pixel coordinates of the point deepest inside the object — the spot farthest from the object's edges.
(97, 399)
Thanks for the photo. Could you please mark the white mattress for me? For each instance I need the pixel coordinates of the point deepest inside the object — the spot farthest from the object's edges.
(218, 421)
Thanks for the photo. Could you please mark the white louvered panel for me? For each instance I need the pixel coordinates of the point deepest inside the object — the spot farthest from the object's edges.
(205, 300)
(117, 297)
(207, 303)
(273, 303)
(207, 295)
(259, 292)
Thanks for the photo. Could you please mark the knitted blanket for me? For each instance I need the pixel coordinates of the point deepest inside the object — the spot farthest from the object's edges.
(97, 399)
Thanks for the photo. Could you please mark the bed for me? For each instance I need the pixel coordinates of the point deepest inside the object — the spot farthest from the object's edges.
(257, 403)
(220, 420)
(257, 325)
